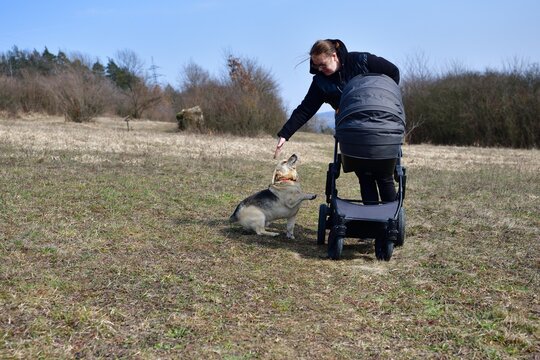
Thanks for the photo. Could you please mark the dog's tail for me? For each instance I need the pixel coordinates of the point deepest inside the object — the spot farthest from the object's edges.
(234, 216)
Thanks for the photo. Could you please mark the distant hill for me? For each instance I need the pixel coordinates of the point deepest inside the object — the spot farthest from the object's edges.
(322, 122)
(327, 117)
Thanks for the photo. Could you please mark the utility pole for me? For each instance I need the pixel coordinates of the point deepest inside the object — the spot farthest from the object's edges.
(153, 70)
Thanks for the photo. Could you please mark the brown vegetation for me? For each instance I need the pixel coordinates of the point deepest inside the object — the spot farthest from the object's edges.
(245, 103)
(460, 107)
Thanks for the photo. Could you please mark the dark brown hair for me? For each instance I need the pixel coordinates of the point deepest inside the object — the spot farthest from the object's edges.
(326, 47)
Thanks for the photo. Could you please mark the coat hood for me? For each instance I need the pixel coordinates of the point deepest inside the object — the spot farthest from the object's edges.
(341, 51)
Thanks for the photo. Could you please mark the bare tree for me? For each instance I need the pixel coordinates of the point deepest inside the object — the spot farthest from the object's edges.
(140, 94)
(193, 76)
(417, 68)
(131, 62)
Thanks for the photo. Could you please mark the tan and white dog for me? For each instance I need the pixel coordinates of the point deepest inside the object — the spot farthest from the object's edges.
(281, 200)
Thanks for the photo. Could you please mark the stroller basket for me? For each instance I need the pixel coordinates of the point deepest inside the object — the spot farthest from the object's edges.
(348, 210)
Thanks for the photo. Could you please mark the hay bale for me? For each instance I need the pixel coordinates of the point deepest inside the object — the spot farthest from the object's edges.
(190, 119)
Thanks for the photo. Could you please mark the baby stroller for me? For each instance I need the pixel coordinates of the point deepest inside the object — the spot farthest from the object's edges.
(370, 124)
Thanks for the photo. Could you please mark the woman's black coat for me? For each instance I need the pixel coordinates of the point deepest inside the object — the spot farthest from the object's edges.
(328, 89)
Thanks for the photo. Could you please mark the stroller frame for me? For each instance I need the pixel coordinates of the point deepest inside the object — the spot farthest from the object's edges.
(385, 222)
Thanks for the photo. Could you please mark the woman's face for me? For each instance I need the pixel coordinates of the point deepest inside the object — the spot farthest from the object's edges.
(326, 64)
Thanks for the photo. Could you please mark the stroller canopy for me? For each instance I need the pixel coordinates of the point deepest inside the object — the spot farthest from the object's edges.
(371, 119)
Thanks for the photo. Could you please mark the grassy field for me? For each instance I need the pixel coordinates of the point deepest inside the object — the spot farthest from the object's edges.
(117, 244)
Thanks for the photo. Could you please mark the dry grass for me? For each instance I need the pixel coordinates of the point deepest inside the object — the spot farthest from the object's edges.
(110, 136)
(116, 244)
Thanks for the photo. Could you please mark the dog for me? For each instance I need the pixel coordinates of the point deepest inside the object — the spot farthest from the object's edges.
(281, 200)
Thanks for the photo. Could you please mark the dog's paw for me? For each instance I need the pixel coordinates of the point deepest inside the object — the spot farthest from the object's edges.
(313, 197)
(290, 236)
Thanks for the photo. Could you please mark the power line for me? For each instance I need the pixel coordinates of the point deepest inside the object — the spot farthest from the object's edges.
(153, 69)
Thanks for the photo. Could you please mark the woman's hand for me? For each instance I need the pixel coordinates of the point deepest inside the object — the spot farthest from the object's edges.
(280, 143)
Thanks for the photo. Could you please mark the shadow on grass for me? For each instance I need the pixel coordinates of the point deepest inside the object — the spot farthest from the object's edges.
(304, 244)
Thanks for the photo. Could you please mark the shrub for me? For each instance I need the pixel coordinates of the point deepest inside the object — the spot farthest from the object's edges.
(8, 97)
(472, 108)
(81, 94)
(245, 103)
(33, 94)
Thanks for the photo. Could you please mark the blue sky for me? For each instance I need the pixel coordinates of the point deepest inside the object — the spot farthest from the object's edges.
(277, 34)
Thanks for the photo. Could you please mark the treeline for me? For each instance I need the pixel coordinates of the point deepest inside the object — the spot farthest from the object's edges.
(458, 107)
(76, 87)
(490, 108)
(246, 102)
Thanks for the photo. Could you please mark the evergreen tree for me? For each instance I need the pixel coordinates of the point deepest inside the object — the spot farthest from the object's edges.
(122, 77)
(45, 62)
(62, 59)
(98, 69)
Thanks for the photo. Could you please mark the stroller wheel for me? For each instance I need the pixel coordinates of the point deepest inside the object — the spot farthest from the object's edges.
(335, 243)
(321, 230)
(401, 228)
(384, 248)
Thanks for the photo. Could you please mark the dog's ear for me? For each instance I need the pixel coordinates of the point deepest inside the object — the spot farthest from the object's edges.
(292, 160)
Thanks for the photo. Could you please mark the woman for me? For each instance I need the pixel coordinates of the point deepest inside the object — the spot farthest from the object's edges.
(333, 66)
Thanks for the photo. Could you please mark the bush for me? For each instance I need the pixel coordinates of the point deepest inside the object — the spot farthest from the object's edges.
(245, 103)
(472, 108)
(8, 97)
(81, 94)
(27, 93)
